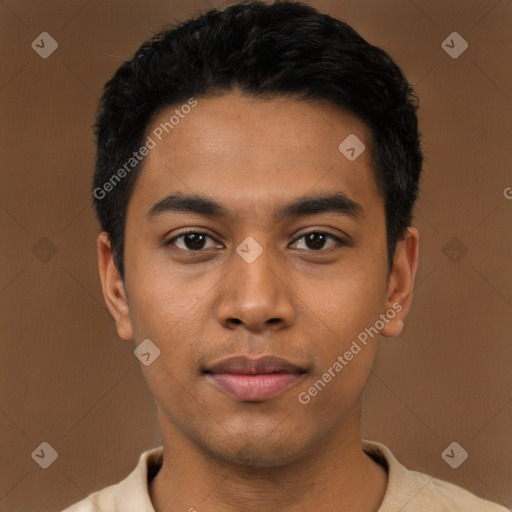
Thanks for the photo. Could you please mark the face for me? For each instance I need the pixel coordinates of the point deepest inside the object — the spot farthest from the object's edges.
(253, 276)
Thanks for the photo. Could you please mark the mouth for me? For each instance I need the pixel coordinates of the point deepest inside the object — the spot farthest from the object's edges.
(254, 380)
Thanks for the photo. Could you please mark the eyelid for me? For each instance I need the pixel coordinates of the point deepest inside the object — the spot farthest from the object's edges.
(343, 239)
(185, 232)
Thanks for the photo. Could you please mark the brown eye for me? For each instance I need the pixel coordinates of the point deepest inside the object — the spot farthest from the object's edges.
(316, 240)
(190, 240)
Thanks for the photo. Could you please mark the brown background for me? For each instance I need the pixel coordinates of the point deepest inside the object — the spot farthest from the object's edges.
(68, 379)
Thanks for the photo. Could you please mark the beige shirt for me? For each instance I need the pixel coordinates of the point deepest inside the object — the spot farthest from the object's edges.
(407, 491)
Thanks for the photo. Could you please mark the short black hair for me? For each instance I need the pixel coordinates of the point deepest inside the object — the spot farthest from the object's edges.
(265, 50)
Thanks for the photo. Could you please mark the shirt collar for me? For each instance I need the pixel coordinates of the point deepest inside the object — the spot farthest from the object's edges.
(132, 494)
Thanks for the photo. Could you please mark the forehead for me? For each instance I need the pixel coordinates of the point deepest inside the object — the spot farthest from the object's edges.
(251, 152)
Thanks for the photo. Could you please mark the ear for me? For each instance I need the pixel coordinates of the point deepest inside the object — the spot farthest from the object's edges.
(113, 287)
(401, 282)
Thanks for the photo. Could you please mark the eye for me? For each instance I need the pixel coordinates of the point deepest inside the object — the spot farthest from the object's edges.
(190, 240)
(195, 241)
(315, 240)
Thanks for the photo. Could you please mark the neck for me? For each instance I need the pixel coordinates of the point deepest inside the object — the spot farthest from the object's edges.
(336, 475)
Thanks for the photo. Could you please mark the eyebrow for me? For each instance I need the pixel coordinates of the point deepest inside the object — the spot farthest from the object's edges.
(306, 205)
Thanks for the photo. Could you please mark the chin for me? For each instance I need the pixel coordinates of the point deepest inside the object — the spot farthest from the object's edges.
(260, 451)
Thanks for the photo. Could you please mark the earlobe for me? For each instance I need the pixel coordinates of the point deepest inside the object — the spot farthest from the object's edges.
(401, 282)
(393, 328)
(112, 285)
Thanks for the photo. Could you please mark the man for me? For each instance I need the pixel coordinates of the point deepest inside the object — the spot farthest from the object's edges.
(256, 174)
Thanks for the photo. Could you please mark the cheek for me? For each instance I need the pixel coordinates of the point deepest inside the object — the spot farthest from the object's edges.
(344, 361)
(352, 300)
(346, 315)
(159, 298)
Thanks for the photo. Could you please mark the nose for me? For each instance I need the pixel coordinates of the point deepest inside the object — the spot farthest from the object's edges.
(255, 294)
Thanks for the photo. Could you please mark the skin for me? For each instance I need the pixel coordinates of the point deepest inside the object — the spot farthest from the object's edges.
(306, 305)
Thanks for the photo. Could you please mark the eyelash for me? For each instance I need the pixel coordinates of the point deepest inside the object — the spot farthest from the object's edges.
(195, 231)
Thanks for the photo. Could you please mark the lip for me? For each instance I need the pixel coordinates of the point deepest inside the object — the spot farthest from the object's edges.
(250, 379)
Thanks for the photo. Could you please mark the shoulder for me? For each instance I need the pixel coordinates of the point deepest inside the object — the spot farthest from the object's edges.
(129, 494)
(412, 491)
(100, 501)
(446, 496)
